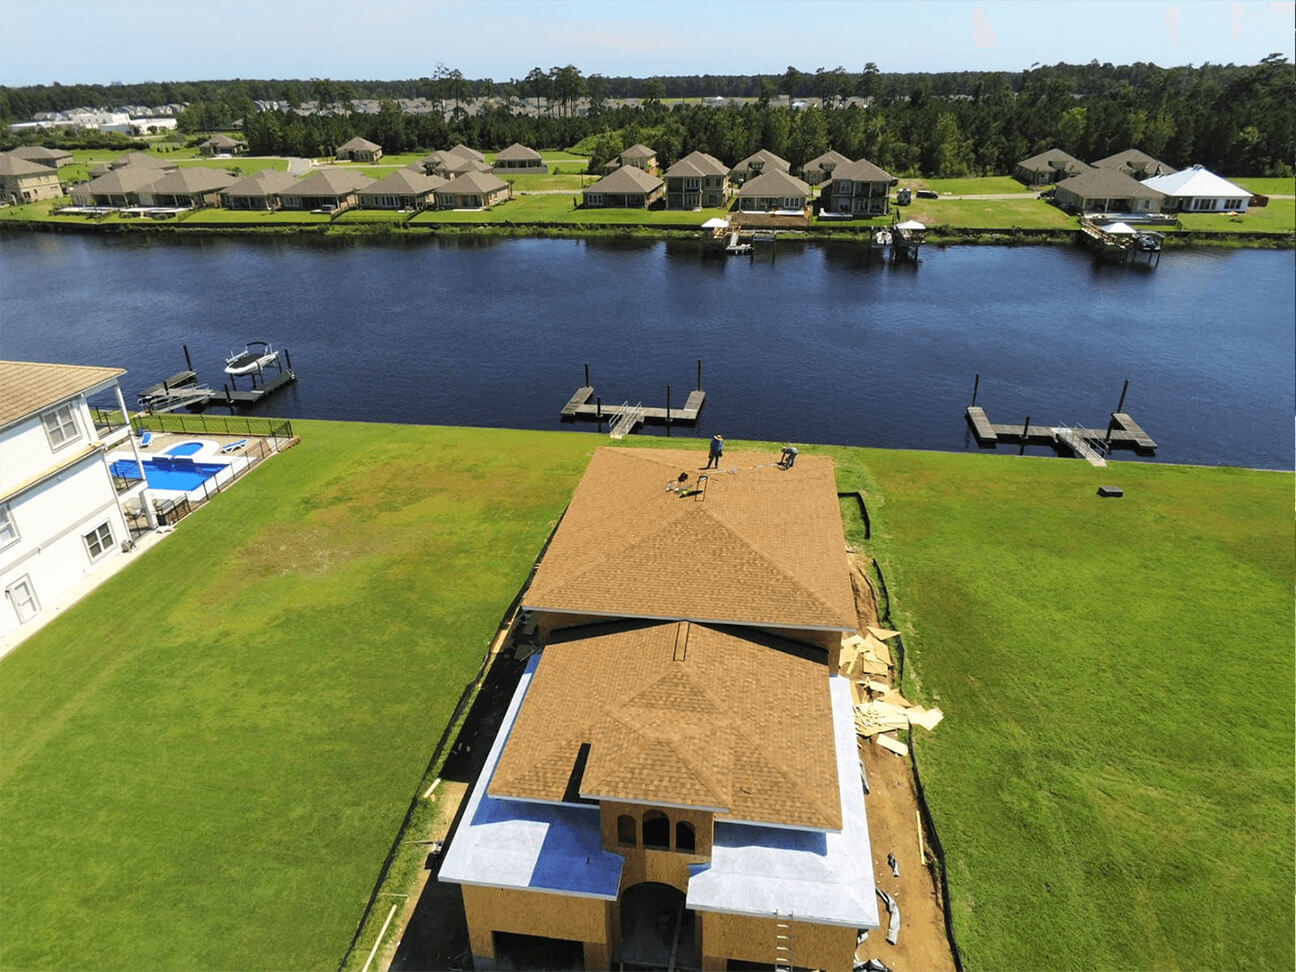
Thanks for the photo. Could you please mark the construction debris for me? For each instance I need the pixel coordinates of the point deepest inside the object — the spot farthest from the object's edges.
(882, 634)
(893, 909)
(893, 745)
(879, 707)
(895, 868)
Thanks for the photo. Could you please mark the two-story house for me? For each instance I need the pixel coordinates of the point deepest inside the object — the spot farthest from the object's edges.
(61, 509)
(23, 181)
(677, 774)
(858, 189)
(697, 181)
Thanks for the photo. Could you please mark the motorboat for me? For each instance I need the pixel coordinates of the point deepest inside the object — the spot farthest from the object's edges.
(255, 356)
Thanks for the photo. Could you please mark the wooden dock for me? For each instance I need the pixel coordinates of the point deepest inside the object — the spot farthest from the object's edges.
(580, 406)
(182, 390)
(1123, 431)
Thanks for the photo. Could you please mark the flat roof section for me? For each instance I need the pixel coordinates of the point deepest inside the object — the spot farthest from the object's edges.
(529, 846)
(817, 877)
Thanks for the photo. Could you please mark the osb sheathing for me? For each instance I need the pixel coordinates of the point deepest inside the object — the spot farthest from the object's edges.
(750, 939)
(534, 913)
(701, 820)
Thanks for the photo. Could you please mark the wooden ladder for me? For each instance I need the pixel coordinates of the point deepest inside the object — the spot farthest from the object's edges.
(783, 954)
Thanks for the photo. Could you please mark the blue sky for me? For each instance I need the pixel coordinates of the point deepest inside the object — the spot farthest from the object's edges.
(141, 40)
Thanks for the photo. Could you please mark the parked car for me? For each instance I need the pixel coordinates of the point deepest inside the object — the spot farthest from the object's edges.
(926, 193)
(902, 197)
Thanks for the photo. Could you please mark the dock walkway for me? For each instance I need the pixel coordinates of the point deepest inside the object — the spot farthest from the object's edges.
(626, 416)
(1123, 431)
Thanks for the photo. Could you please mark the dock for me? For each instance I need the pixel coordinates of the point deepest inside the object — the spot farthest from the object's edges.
(1121, 431)
(182, 390)
(1120, 243)
(584, 404)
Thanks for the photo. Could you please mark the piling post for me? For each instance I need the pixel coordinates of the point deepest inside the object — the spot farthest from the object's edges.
(598, 412)
(188, 363)
(1120, 406)
(976, 383)
(699, 378)
(668, 418)
(288, 359)
(587, 384)
(1025, 434)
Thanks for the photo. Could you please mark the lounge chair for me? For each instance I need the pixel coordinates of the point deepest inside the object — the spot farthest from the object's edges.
(234, 446)
(145, 438)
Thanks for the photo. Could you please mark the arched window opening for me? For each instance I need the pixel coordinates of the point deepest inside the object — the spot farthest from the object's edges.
(626, 830)
(656, 830)
(685, 842)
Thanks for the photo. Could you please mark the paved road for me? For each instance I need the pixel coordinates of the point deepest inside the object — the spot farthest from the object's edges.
(298, 166)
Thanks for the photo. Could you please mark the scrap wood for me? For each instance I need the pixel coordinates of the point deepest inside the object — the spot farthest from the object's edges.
(893, 697)
(881, 688)
(882, 634)
(858, 695)
(927, 718)
(892, 745)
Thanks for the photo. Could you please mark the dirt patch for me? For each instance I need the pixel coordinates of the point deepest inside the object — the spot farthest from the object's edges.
(861, 575)
(892, 807)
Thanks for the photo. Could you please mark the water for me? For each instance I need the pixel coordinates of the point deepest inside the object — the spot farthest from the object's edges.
(806, 343)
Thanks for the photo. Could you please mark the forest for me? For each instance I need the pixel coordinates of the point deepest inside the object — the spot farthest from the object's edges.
(1234, 119)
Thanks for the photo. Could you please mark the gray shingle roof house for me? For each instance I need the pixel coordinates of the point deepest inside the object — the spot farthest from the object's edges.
(1107, 191)
(1136, 164)
(1048, 167)
(142, 159)
(51, 157)
(359, 150)
(628, 187)
(775, 191)
(472, 190)
(463, 150)
(820, 168)
(188, 188)
(329, 189)
(858, 188)
(698, 180)
(121, 187)
(757, 163)
(403, 189)
(454, 162)
(22, 180)
(258, 191)
(640, 156)
(222, 145)
(519, 158)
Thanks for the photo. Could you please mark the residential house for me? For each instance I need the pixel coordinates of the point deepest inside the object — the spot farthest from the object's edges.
(756, 164)
(696, 181)
(819, 169)
(472, 190)
(259, 191)
(464, 151)
(222, 145)
(52, 157)
(775, 191)
(331, 190)
(1106, 191)
(61, 509)
(142, 160)
(23, 181)
(454, 162)
(122, 187)
(640, 156)
(1199, 190)
(627, 187)
(358, 150)
(189, 188)
(859, 189)
(1048, 167)
(1136, 164)
(518, 159)
(676, 776)
(403, 189)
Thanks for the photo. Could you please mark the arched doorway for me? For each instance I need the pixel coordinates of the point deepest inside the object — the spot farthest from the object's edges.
(657, 931)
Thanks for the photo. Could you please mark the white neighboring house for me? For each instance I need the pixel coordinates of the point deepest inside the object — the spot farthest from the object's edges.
(1199, 190)
(60, 514)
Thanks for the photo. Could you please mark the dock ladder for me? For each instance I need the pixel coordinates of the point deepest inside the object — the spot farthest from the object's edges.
(625, 423)
(783, 954)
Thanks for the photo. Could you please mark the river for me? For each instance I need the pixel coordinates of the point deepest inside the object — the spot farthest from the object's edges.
(803, 343)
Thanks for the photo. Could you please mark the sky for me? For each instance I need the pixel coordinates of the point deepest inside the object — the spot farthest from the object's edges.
(187, 40)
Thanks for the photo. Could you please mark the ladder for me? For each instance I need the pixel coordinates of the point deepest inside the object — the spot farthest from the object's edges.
(630, 417)
(783, 954)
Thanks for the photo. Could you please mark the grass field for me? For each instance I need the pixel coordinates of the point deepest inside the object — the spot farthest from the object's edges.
(206, 760)
(1113, 780)
(1279, 216)
(971, 186)
(988, 213)
(560, 209)
(1265, 185)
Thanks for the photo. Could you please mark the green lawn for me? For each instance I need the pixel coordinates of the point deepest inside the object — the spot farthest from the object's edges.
(560, 209)
(1269, 186)
(971, 186)
(1113, 780)
(206, 760)
(988, 213)
(1279, 216)
(572, 181)
(213, 217)
(244, 165)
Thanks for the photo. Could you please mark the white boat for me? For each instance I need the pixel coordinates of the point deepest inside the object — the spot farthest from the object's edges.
(255, 356)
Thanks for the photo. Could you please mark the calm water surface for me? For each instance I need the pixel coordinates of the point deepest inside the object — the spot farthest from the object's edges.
(806, 343)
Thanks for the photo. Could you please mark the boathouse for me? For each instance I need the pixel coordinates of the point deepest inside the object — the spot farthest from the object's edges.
(677, 771)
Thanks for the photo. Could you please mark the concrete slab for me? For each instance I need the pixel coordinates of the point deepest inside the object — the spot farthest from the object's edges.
(813, 876)
(529, 846)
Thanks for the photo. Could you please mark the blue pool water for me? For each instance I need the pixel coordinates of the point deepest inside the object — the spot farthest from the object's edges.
(184, 449)
(161, 473)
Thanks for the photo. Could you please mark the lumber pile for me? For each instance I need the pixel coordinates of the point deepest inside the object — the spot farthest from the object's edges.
(879, 708)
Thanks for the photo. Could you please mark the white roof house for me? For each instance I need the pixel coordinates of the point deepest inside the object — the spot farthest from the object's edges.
(1199, 190)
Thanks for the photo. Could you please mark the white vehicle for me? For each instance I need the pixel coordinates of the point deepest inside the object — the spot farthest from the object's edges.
(255, 356)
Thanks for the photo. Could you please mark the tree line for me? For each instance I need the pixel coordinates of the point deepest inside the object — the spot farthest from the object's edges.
(1233, 119)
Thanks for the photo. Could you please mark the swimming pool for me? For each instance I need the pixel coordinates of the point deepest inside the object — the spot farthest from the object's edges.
(184, 449)
(162, 472)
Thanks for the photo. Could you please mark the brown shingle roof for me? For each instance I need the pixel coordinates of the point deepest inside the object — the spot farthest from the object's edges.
(16, 165)
(767, 160)
(193, 179)
(330, 182)
(1054, 160)
(130, 178)
(697, 164)
(464, 151)
(142, 159)
(832, 156)
(1134, 162)
(765, 547)
(267, 182)
(773, 183)
(518, 153)
(629, 179)
(404, 182)
(862, 170)
(41, 152)
(679, 714)
(26, 387)
(638, 151)
(357, 144)
(1108, 183)
(222, 141)
(472, 183)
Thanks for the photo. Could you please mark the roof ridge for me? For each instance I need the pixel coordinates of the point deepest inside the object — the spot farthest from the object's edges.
(789, 774)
